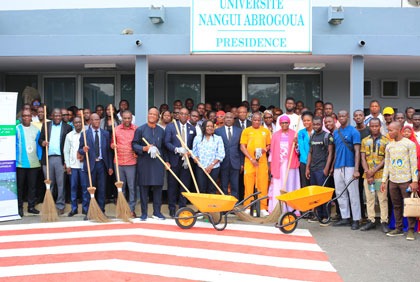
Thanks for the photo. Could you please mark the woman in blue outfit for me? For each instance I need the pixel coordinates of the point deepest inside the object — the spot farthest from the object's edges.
(209, 151)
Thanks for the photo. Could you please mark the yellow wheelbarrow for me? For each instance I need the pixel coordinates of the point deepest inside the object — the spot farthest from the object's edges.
(208, 205)
(306, 200)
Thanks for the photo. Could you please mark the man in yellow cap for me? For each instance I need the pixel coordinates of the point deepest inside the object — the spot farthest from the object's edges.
(388, 114)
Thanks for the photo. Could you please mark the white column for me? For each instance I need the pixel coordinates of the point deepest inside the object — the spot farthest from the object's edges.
(142, 89)
(357, 77)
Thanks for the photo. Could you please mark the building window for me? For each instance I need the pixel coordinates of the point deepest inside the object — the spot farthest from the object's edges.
(305, 88)
(128, 91)
(414, 88)
(367, 88)
(266, 89)
(59, 92)
(18, 83)
(183, 86)
(389, 88)
(98, 91)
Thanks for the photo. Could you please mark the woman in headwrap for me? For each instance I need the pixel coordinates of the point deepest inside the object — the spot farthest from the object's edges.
(285, 176)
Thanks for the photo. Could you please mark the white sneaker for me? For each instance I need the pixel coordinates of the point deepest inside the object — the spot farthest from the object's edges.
(264, 213)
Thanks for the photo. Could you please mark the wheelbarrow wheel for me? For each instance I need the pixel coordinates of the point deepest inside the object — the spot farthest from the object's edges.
(287, 222)
(185, 218)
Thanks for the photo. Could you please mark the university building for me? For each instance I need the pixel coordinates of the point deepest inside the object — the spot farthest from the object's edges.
(86, 53)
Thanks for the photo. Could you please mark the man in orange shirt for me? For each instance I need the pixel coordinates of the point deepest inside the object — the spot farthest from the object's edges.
(255, 143)
(127, 159)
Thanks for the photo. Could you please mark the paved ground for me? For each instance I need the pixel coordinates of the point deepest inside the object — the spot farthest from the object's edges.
(356, 255)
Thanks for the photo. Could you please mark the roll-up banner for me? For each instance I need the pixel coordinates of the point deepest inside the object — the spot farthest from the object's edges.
(8, 187)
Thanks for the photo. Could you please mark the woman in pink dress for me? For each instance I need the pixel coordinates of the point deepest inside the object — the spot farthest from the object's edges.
(284, 176)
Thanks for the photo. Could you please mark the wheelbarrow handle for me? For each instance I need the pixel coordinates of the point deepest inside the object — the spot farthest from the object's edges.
(254, 201)
(328, 204)
(344, 190)
(326, 180)
(247, 198)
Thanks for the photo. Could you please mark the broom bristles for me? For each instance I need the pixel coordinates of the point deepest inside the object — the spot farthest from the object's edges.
(123, 211)
(95, 213)
(48, 210)
(272, 218)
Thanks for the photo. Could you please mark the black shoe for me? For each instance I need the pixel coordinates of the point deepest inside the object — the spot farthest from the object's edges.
(385, 227)
(33, 210)
(368, 226)
(60, 211)
(342, 222)
(21, 212)
(355, 225)
(72, 213)
(85, 218)
(172, 213)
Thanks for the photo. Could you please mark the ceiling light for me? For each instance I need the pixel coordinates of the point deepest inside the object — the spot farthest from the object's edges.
(308, 66)
(100, 66)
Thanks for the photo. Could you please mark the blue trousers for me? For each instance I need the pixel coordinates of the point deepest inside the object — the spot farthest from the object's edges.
(157, 198)
(230, 175)
(98, 181)
(77, 179)
(204, 183)
(318, 178)
(174, 189)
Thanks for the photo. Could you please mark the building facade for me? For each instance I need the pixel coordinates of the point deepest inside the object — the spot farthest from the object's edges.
(100, 52)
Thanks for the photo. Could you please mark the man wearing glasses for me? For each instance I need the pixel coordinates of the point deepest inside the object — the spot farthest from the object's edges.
(175, 114)
(177, 155)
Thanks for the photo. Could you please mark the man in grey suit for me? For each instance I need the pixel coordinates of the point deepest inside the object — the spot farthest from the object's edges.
(233, 162)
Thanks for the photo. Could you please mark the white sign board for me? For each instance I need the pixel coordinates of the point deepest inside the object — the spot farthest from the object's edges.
(251, 26)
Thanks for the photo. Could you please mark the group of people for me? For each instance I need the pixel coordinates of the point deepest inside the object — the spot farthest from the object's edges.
(243, 148)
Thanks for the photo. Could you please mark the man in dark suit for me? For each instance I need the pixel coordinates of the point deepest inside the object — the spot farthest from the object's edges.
(177, 154)
(100, 160)
(57, 131)
(242, 120)
(233, 162)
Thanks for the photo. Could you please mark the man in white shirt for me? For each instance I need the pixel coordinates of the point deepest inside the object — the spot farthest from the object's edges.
(416, 125)
(74, 165)
(295, 123)
(375, 111)
(123, 106)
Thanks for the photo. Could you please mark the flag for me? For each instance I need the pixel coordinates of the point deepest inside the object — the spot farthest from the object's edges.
(159, 251)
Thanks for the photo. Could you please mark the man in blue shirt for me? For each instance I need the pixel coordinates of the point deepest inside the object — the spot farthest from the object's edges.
(347, 158)
(56, 132)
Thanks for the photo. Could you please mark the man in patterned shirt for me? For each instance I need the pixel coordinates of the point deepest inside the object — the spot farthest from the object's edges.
(372, 157)
(401, 168)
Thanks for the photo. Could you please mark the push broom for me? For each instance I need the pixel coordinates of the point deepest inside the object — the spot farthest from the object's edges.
(123, 211)
(94, 213)
(48, 210)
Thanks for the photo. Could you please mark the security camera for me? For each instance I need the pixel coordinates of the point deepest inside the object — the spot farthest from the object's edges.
(139, 43)
(362, 43)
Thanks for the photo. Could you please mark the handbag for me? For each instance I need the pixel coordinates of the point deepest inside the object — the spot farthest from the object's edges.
(412, 206)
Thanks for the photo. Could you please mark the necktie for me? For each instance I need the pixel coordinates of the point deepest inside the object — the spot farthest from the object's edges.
(183, 133)
(243, 125)
(96, 144)
(229, 134)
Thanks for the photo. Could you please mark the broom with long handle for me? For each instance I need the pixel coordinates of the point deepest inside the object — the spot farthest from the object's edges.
(168, 168)
(94, 213)
(48, 210)
(189, 164)
(199, 164)
(123, 211)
